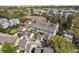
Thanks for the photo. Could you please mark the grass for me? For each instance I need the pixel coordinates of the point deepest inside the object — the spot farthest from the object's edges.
(10, 30)
(13, 31)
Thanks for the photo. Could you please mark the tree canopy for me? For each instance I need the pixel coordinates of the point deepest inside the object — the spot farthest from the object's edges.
(9, 48)
(60, 44)
(75, 27)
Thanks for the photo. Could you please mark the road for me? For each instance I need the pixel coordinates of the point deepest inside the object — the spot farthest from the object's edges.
(6, 37)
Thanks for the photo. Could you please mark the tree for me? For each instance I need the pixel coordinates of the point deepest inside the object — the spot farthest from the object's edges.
(60, 31)
(19, 34)
(9, 48)
(60, 44)
(52, 19)
(75, 27)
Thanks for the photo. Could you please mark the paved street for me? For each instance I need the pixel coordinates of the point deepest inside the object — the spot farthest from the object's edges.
(5, 37)
(22, 43)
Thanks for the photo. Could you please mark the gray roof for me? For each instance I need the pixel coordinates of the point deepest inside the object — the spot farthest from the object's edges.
(44, 27)
(22, 43)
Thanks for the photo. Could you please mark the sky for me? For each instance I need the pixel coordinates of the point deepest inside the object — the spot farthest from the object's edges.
(65, 2)
(39, 2)
(26, 2)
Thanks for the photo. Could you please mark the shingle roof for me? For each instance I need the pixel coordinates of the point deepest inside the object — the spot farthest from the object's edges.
(38, 18)
(45, 27)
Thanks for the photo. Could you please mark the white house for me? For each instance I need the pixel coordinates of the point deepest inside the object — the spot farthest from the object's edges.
(38, 11)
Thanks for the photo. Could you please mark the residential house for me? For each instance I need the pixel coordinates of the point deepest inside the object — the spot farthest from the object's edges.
(37, 18)
(61, 13)
(39, 12)
(45, 27)
(23, 27)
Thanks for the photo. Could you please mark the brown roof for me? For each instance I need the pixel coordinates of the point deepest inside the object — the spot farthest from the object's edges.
(24, 25)
(39, 18)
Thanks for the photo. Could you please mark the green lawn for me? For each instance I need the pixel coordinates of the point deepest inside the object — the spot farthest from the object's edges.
(10, 30)
(13, 31)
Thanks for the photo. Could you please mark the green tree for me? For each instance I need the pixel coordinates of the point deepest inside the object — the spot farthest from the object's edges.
(19, 34)
(60, 31)
(60, 44)
(75, 27)
(75, 30)
(9, 48)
